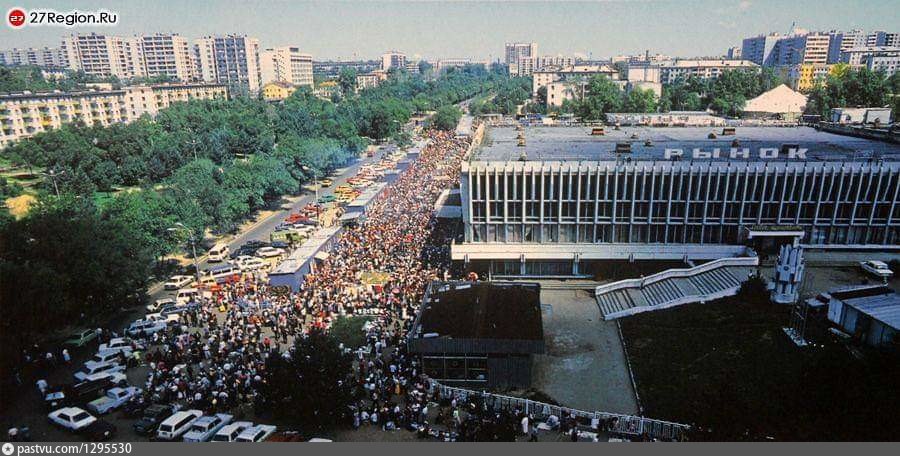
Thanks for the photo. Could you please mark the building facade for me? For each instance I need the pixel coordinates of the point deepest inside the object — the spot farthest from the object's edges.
(231, 59)
(103, 55)
(26, 114)
(520, 58)
(672, 70)
(167, 55)
(46, 57)
(286, 64)
(567, 198)
(393, 59)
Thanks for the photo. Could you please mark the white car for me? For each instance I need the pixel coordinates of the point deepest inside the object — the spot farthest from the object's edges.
(178, 281)
(159, 304)
(269, 252)
(230, 432)
(257, 433)
(205, 427)
(252, 264)
(104, 357)
(168, 318)
(113, 399)
(877, 268)
(71, 418)
(145, 327)
(120, 344)
(116, 377)
(91, 369)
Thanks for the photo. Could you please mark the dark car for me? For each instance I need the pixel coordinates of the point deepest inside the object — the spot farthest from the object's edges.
(100, 430)
(78, 394)
(280, 245)
(153, 415)
(134, 408)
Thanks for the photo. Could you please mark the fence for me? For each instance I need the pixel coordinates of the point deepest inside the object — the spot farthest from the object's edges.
(629, 425)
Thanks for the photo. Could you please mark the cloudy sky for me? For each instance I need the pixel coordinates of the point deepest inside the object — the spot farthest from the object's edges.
(365, 29)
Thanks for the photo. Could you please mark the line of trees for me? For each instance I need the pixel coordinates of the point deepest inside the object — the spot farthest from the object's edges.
(855, 87)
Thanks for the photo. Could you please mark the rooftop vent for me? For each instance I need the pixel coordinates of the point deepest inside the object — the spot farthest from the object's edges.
(623, 148)
(712, 135)
(728, 131)
(598, 131)
(618, 126)
(735, 143)
(523, 156)
(648, 143)
(634, 136)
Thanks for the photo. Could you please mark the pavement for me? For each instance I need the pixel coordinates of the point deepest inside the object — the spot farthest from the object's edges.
(584, 366)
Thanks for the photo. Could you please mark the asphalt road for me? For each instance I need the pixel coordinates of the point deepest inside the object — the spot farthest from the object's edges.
(263, 228)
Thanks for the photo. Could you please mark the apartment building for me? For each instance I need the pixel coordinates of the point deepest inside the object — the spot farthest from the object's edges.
(286, 64)
(370, 80)
(882, 38)
(543, 77)
(875, 58)
(26, 114)
(520, 57)
(811, 48)
(47, 57)
(167, 55)
(229, 59)
(103, 55)
(444, 64)
(393, 59)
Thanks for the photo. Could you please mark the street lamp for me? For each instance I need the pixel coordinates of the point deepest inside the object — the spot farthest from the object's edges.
(53, 175)
(180, 227)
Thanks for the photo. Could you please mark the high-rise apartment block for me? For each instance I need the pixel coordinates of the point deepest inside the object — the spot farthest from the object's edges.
(230, 59)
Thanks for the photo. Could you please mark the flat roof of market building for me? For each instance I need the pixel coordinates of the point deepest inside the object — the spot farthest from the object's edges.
(578, 144)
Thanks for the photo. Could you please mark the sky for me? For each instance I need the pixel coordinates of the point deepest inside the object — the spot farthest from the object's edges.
(475, 29)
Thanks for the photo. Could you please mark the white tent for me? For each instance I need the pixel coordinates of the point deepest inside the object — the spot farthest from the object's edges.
(779, 101)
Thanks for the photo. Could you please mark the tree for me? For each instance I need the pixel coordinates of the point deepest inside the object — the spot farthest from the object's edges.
(312, 386)
(347, 81)
(425, 67)
(446, 118)
(639, 100)
(603, 96)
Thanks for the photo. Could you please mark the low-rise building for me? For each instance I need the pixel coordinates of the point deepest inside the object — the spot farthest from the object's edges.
(572, 73)
(277, 91)
(704, 69)
(870, 314)
(26, 114)
(780, 102)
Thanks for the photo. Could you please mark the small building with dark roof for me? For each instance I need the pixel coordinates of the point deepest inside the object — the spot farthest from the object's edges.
(870, 313)
(478, 334)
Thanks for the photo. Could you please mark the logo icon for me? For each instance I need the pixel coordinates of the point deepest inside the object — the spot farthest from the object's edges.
(8, 448)
(16, 19)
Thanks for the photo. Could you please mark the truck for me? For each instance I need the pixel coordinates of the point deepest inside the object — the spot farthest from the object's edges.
(290, 235)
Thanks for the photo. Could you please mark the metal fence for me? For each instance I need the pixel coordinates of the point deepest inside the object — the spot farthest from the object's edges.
(615, 423)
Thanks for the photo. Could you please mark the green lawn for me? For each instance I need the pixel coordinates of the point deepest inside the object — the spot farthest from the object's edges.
(727, 368)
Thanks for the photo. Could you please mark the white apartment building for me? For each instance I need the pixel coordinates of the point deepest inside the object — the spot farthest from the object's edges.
(286, 64)
(543, 77)
(42, 57)
(443, 64)
(26, 114)
(230, 59)
(521, 58)
(875, 58)
(167, 55)
(393, 59)
(103, 55)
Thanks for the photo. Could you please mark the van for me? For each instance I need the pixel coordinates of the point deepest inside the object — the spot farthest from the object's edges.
(104, 357)
(223, 273)
(218, 253)
(176, 425)
(230, 432)
(142, 327)
(91, 369)
(186, 295)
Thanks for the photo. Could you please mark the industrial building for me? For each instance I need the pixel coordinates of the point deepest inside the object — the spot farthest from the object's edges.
(555, 201)
(478, 334)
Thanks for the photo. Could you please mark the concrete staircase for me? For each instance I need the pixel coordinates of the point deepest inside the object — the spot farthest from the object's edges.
(674, 287)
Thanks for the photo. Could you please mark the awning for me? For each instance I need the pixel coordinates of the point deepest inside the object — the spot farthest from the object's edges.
(321, 256)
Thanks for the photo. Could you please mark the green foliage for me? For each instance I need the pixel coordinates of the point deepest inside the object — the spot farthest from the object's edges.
(505, 98)
(9, 189)
(349, 331)
(63, 264)
(640, 101)
(603, 96)
(446, 118)
(727, 94)
(314, 388)
(854, 87)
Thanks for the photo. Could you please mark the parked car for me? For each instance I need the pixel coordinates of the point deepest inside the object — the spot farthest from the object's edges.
(71, 418)
(81, 338)
(103, 357)
(114, 377)
(120, 344)
(257, 433)
(100, 430)
(170, 317)
(230, 432)
(269, 252)
(280, 245)
(88, 370)
(113, 399)
(178, 281)
(177, 425)
(253, 264)
(326, 199)
(145, 327)
(156, 305)
(877, 268)
(326, 182)
(153, 416)
(205, 427)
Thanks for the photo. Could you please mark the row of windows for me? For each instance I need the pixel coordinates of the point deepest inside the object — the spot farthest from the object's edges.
(666, 234)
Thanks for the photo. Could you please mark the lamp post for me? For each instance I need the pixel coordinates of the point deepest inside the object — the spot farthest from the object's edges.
(53, 175)
(180, 227)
